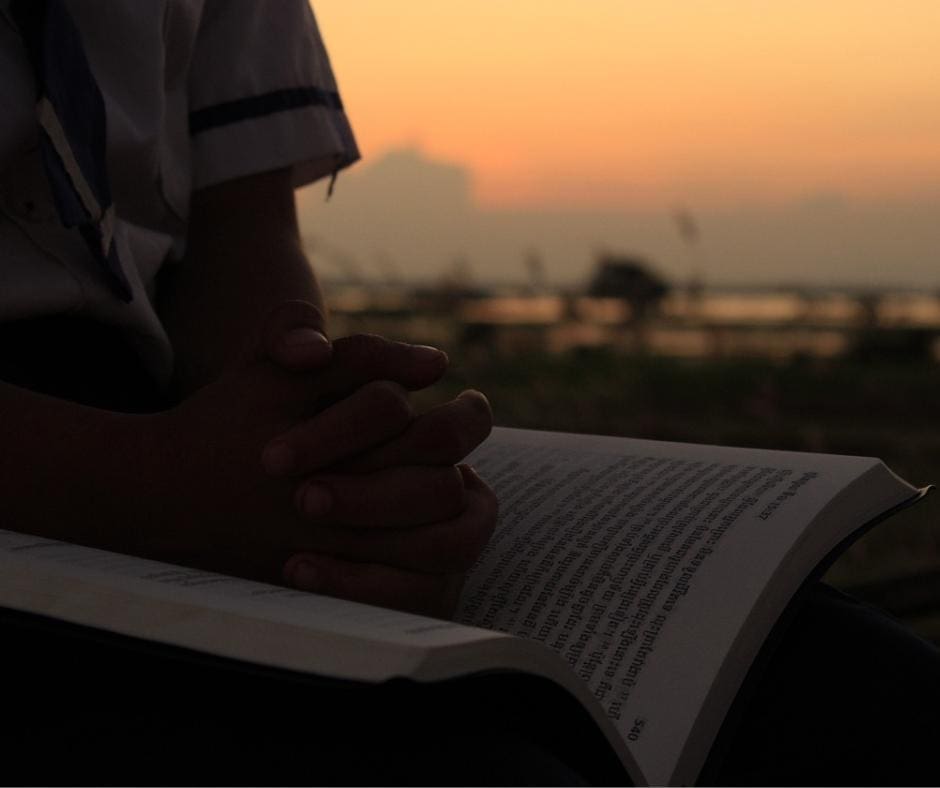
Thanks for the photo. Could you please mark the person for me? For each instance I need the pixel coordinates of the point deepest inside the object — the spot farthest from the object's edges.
(168, 389)
(242, 411)
(169, 386)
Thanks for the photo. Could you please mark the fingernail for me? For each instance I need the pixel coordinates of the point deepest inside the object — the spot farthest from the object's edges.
(305, 576)
(317, 500)
(430, 353)
(278, 458)
(472, 394)
(300, 337)
(469, 474)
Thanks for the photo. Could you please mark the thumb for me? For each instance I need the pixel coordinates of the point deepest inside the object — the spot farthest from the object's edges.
(293, 336)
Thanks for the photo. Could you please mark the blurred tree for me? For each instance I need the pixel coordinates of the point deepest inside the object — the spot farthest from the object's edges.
(631, 279)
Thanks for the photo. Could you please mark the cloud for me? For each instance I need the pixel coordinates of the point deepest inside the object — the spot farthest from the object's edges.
(407, 183)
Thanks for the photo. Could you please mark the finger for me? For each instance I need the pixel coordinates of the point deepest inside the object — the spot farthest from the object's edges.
(362, 358)
(293, 336)
(390, 498)
(375, 584)
(447, 547)
(373, 414)
(444, 435)
(355, 361)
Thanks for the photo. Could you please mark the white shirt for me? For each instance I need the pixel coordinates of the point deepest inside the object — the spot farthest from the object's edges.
(196, 92)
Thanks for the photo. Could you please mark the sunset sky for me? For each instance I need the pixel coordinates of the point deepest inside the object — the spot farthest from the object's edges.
(599, 104)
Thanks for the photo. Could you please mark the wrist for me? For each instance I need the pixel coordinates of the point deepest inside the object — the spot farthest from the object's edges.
(146, 476)
(125, 492)
(71, 472)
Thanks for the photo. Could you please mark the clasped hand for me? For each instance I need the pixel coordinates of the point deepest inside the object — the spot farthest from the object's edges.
(307, 464)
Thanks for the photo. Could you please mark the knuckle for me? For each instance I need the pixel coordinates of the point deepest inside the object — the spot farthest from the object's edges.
(310, 313)
(465, 543)
(362, 348)
(444, 602)
(489, 516)
(452, 433)
(282, 318)
(458, 561)
(446, 485)
(466, 540)
(490, 503)
(331, 582)
(446, 440)
(477, 419)
(293, 314)
(388, 400)
(298, 312)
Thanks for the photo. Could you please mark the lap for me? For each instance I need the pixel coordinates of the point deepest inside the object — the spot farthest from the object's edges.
(849, 696)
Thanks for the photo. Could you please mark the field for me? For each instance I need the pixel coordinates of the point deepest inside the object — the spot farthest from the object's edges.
(887, 410)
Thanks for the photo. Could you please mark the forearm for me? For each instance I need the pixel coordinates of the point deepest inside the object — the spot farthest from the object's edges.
(72, 472)
(243, 257)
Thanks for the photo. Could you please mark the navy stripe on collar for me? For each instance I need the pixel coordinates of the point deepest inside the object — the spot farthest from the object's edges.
(230, 112)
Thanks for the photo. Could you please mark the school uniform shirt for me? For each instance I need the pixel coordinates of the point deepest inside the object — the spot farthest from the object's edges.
(196, 92)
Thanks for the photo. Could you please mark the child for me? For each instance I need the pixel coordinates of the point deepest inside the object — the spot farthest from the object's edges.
(203, 309)
(170, 391)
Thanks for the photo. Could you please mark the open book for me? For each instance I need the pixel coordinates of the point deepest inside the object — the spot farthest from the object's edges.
(641, 577)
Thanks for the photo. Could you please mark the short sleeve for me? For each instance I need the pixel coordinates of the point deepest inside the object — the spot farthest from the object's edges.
(262, 95)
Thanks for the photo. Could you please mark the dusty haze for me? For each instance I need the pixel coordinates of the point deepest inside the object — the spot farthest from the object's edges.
(405, 215)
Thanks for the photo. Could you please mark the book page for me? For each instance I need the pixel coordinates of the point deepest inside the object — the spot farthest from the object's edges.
(260, 623)
(219, 614)
(640, 562)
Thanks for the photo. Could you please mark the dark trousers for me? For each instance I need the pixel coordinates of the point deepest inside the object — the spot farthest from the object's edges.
(848, 696)
(842, 695)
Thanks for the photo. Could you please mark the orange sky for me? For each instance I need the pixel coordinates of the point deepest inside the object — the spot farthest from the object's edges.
(609, 103)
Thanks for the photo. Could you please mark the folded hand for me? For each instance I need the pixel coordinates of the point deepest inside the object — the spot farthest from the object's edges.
(394, 520)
